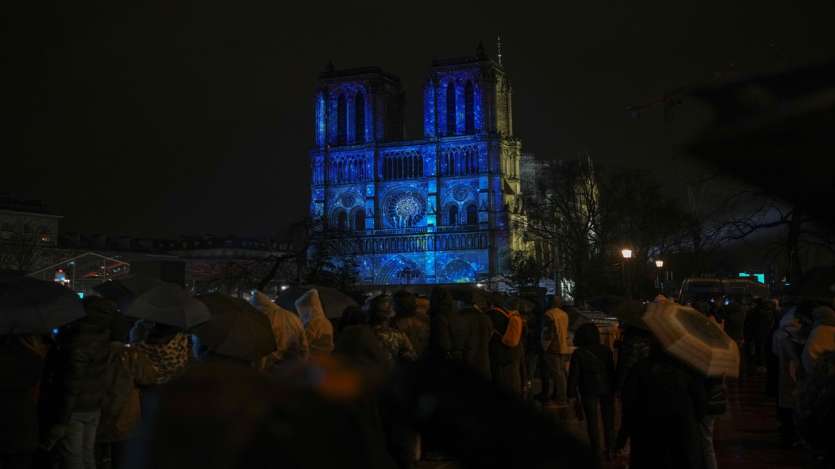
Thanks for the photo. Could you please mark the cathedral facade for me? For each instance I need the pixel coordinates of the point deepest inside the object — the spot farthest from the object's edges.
(430, 211)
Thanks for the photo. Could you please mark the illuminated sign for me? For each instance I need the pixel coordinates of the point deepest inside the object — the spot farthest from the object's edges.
(760, 277)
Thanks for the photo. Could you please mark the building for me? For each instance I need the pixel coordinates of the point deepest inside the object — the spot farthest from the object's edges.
(434, 210)
(27, 220)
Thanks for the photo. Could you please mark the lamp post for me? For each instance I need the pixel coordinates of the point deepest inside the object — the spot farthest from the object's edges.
(627, 254)
(659, 282)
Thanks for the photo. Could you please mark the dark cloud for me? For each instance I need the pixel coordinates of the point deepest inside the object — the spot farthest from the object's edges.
(196, 117)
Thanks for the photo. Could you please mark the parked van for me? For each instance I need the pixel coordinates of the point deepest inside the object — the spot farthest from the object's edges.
(704, 289)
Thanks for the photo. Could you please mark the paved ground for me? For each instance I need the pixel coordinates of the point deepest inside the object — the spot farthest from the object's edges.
(745, 437)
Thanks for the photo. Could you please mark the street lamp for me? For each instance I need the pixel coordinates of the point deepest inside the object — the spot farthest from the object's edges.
(659, 283)
(627, 254)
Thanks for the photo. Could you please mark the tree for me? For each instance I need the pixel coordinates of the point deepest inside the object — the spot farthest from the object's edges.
(20, 252)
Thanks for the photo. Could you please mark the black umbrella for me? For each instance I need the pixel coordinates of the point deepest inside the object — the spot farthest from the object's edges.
(333, 301)
(126, 289)
(31, 306)
(169, 304)
(236, 329)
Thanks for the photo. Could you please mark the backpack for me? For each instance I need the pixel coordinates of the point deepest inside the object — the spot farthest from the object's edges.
(513, 333)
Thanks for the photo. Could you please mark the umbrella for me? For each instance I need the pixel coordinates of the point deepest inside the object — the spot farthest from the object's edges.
(333, 301)
(236, 329)
(169, 304)
(818, 284)
(693, 338)
(31, 306)
(125, 289)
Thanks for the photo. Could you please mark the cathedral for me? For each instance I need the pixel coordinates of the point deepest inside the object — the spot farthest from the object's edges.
(437, 210)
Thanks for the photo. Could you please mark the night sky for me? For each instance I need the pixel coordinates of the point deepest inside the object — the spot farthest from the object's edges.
(176, 118)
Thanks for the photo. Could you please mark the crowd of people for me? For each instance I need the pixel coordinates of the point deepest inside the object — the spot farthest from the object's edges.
(401, 378)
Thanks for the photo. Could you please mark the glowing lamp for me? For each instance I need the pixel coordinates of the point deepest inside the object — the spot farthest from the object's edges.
(659, 263)
(626, 253)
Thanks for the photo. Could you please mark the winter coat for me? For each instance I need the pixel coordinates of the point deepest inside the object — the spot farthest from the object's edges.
(169, 359)
(591, 371)
(506, 363)
(317, 328)
(663, 405)
(463, 336)
(127, 368)
(360, 345)
(396, 346)
(716, 396)
(22, 360)
(290, 338)
(82, 360)
(822, 338)
(416, 327)
(734, 317)
(816, 407)
(555, 332)
(635, 346)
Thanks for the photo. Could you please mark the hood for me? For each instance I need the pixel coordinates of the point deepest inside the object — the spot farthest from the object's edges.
(309, 307)
(263, 302)
(792, 326)
(823, 316)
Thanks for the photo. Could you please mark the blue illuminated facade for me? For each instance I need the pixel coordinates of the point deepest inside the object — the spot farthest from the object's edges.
(429, 211)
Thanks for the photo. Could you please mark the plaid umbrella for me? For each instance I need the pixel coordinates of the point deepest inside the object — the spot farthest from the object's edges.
(169, 304)
(693, 338)
(31, 306)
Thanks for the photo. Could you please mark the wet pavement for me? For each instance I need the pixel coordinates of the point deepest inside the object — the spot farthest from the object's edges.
(745, 437)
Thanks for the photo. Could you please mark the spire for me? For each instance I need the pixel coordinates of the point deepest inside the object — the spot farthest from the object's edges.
(499, 48)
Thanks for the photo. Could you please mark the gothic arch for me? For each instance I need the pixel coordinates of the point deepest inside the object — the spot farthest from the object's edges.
(472, 214)
(450, 108)
(469, 111)
(359, 118)
(341, 120)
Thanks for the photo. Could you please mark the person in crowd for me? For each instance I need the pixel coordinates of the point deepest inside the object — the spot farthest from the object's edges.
(464, 335)
(396, 345)
(821, 339)
(290, 338)
(663, 405)
(121, 410)
(507, 351)
(716, 404)
(352, 316)
(787, 345)
(422, 305)
(407, 320)
(22, 360)
(556, 352)
(397, 350)
(756, 333)
(590, 377)
(317, 328)
(166, 347)
(79, 385)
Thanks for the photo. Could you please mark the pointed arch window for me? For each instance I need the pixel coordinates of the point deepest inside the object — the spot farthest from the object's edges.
(359, 220)
(359, 116)
(472, 215)
(341, 120)
(469, 111)
(450, 108)
(452, 215)
(341, 220)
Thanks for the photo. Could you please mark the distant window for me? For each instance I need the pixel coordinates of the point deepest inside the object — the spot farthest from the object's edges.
(469, 111)
(341, 120)
(359, 116)
(472, 215)
(450, 108)
(359, 220)
(342, 221)
(452, 215)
